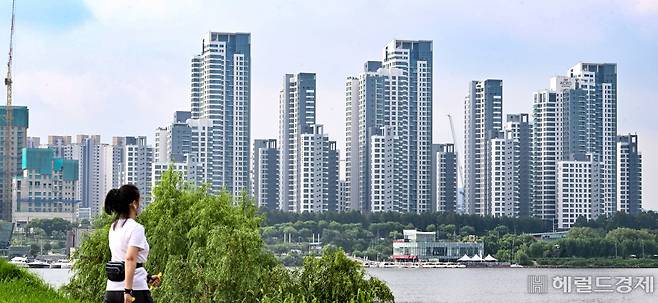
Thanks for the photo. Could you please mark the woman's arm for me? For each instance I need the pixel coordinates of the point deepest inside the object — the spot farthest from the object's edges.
(131, 264)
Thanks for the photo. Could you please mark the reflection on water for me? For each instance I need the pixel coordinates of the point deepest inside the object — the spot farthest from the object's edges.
(501, 285)
(53, 276)
(473, 285)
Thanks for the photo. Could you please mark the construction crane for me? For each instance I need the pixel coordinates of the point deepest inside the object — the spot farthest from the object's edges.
(9, 150)
(460, 168)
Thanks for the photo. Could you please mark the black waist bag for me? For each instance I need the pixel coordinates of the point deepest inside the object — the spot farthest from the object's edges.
(116, 271)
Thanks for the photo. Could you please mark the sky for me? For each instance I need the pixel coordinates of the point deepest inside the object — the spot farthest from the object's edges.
(122, 67)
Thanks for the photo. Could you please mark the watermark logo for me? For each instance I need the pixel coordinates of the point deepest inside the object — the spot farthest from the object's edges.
(537, 284)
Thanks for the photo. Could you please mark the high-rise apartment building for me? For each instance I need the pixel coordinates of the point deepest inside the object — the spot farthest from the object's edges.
(61, 146)
(296, 117)
(444, 178)
(385, 156)
(503, 160)
(20, 116)
(483, 122)
(33, 142)
(265, 173)
(395, 93)
(221, 93)
(579, 188)
(172, 142)
(90, 191)
(629, 175)
(518, 128)
(318, 172)
(575, 120)
(137, 166)
(599, 83)
(200, 159)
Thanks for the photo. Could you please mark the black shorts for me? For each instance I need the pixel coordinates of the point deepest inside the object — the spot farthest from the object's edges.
(141, 296)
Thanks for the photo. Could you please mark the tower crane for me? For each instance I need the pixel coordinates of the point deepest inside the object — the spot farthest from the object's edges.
(8, 146)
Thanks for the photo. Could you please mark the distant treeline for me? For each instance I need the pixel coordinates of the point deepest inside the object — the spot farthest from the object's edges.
(481, 224)
(420, 221)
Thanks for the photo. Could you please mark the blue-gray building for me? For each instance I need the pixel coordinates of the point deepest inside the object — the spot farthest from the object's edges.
(629, 175)
(265, 173)
(444, 178)
(173, 141)
(518, 129)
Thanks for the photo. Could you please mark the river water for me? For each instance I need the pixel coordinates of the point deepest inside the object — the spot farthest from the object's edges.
(490, 285)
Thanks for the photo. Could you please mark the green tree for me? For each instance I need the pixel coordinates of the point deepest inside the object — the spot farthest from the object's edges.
(210, 249)
(51, 225)
(536, 250)
(467, 230)
(522, 258)
(430, 227)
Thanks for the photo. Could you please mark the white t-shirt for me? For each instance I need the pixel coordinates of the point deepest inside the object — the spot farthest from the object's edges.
(126, 233)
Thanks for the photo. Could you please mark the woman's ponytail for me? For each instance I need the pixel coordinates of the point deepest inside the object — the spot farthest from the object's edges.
(111, 201)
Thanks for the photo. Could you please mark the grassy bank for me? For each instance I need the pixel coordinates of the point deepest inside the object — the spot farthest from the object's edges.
(19, 285)
(597, 263)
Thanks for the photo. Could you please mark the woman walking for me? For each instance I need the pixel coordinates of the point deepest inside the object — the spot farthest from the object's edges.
(128, 281)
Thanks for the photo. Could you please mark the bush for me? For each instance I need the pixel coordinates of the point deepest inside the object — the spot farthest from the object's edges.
(18, 285)
(210, 249)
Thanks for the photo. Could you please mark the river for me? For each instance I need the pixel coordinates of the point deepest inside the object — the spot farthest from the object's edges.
(490, 285)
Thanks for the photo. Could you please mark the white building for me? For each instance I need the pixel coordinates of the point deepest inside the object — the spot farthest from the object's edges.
(504, 196)
(112, 168)
(483, 121)
(579, 191)
(384, 155)
(200, 156)
(629, 175)
(137, 162)
(159, 168)
(318, 164)
(221, 93)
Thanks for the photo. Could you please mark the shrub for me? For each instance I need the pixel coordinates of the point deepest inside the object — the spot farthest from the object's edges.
(210, 249)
